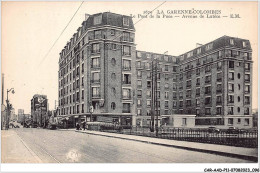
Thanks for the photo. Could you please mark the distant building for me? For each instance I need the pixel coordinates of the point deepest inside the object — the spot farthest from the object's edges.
(101, 67)
(39, 109)
(23, 117)
(13, 116)
(20, 115)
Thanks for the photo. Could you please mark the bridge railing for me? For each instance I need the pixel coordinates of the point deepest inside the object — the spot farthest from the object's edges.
(239, 138)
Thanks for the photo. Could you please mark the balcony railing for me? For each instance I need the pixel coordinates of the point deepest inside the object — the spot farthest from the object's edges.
(126, 111)
(95, 80)
(96, 96)
(126, 82)
(219, 79)
(207, 92)
(126, 97)
(247, 103)
(208, 81)
(219, 102)
(126, 68)
(219, 90)
(95, 65)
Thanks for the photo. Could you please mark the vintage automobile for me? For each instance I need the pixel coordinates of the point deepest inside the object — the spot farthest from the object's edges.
(213, 130)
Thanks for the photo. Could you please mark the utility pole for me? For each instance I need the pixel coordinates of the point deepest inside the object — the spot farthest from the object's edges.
(8, 108)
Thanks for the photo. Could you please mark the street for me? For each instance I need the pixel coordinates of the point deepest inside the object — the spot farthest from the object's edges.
(56, 146)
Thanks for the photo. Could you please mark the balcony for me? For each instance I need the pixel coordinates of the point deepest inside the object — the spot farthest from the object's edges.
(231, 91)
(207, 92)
(230, 101)
(188, 105)
(207, 71)
(197, 94)
(219, 90)
(95, 65)
(95, 95)
(126, 82)
(188, 96)
(126, 97)
(188, 86)
(208, 103)
(247, 103)
(207, 81)
(126, 68)
(95, 51)
(95, 81)
(219, 79)
(198, 84)
(126, 111)
(247, 80)
(127, 39)
(247, 69)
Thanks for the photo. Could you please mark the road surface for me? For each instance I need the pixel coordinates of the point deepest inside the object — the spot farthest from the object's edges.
(56, 146)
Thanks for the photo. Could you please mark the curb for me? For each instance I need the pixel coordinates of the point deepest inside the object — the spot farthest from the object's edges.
(233, 155)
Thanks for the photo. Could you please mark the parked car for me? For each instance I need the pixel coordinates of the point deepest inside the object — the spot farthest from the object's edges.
(213, 130)
(232, 130)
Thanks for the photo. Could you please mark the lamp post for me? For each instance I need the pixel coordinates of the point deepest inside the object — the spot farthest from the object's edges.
(8, 108)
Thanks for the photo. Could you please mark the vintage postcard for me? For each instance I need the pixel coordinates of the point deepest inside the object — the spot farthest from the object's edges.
(130, 82)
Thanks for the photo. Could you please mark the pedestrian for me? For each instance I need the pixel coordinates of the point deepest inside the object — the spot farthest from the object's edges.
(77, 126)
(84, 125)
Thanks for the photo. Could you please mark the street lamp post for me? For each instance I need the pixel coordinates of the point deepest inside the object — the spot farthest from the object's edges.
(8, 108)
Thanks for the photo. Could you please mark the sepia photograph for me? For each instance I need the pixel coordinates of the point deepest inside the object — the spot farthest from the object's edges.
(129, 84)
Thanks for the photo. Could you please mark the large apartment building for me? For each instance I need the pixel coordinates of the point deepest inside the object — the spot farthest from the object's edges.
(101, 67)
(39, 109)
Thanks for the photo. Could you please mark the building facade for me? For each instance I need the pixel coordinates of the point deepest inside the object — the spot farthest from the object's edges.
(101, 67)
(39, 109)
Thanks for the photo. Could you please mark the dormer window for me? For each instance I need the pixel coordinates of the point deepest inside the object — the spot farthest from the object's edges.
(198, 50)
(190, 54)
(125, 21)
(231, 41)
(97, 19)
(244, 44)
(166, 58)
(209, 46)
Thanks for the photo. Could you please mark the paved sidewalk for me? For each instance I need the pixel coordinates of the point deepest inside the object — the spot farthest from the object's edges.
(15, 150)
(231, 151)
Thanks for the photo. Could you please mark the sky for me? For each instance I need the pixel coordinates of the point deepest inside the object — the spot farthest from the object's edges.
(29, 30)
